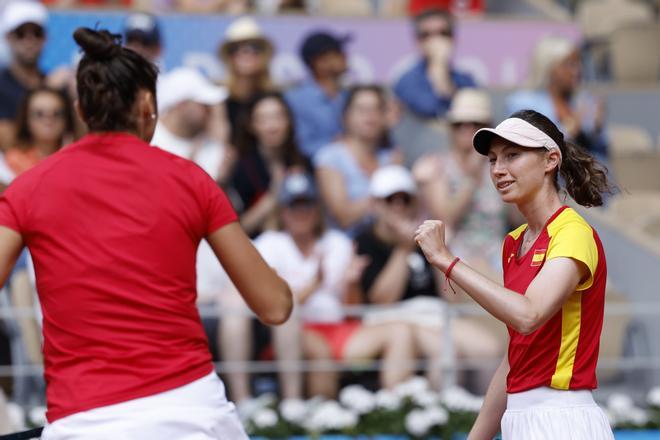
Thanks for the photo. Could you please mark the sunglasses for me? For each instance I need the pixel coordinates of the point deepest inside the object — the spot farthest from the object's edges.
(424, 35)
(29, 30)
(401, 197)
(253, 46)
(45, 114)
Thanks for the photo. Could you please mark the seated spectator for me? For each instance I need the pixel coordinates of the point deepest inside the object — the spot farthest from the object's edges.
(426, 89)
(398, 275)
(185, 102)
(555, 75)
(246, 54)
(343, 168)
(44, 124)
(317, 103)
(456, 186)
(267, 150)
(315, 263)
(22, 25)
(142, 34)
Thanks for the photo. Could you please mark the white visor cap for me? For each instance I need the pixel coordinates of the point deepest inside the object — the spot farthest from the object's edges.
(515, 130)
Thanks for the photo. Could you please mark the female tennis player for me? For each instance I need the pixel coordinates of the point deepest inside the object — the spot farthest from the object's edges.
(554, 285)
(113, 225)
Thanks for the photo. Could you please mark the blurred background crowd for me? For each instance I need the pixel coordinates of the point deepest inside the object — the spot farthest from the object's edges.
(332, 150)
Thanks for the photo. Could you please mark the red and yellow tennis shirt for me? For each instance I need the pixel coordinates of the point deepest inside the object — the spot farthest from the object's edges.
(563, 352)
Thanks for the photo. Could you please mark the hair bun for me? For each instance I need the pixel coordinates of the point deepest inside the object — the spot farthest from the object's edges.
(100, 45)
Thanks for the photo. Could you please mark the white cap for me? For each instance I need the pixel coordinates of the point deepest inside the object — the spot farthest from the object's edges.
(470, 105)
(18, 13)
(187, 84)
(390, 180)
(515, 130)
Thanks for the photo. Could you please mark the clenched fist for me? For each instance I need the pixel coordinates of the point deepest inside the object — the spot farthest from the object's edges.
(430, 237)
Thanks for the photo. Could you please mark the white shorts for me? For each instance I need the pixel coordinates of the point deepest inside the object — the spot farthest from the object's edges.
(549, 414)
(196, 411)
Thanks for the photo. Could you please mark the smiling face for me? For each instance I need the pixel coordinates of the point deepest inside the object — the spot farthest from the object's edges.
(519, 173)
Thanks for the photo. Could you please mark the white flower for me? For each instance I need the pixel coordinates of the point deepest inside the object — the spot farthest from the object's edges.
(638, 416)
(414, 385)
(331, 416)
(653, 397)
(458, 399)
(437, 415)
(357, 398)
(619, 403)
(386, 399)
(37, 415)
(417, 422)
(426, 399)
(293, 410)
(265, 418)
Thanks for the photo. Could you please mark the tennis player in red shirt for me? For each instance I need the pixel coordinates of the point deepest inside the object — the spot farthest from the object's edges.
(554, 285)
(113, 225)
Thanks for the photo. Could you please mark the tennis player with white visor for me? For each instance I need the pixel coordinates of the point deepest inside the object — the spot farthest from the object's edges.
(553, 295)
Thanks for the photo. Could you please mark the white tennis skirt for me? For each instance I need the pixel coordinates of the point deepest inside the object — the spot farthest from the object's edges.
(549, 414)
(196, 411)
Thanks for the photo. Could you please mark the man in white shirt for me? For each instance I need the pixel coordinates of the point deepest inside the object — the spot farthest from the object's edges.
(186, 101)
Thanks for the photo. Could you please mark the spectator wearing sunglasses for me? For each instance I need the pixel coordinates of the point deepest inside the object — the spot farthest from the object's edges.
(455, 185)
(23, 27)
(426, 89)
(44, 124)
(408, 288)
(246, 53)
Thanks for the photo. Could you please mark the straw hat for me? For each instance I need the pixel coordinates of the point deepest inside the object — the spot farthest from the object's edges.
(243, 29)
(470, 105)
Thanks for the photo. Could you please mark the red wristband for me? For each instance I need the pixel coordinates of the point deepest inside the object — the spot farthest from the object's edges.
(451, 266)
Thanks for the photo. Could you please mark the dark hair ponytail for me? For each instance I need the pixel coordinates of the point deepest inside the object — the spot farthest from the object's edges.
(109, 77)
(585, 177)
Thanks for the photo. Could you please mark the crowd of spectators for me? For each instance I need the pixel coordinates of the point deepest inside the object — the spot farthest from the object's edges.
(318, 182)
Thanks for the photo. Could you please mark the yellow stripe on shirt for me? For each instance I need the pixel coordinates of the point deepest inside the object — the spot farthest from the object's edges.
(570, 335)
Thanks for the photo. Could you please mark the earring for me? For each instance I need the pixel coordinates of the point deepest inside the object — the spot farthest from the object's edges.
(153, 116)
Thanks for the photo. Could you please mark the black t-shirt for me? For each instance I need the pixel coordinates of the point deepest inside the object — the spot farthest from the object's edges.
(421, 281)
(249, 181)
(11, 94)
(238, 113)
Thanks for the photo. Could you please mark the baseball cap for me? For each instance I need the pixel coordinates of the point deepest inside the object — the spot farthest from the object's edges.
(187, 84)
(391, 179)
(297, 186)
(515, 130)
(320, 42)
(18, 13)
(142, 27)
(470, 105)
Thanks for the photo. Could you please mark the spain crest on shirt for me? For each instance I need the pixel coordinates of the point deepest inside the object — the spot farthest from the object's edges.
(538, 257)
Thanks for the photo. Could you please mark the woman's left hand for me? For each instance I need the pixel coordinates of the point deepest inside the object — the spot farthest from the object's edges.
(430, 237)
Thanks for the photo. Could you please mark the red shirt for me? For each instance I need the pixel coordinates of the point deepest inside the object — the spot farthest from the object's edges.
(113, 226)
(563, 352)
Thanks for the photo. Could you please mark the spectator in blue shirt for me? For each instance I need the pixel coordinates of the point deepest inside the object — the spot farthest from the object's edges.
(317, 103)
(426, 89)
(555, 79)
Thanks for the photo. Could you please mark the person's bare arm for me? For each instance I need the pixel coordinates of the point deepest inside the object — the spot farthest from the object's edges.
(267, 295)
(255, 217)
(22, 296)
(545, 295)
(390, 284)
(335, 198)
(487, 424)
(11, 244)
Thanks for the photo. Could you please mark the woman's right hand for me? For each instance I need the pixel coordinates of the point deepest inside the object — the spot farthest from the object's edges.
(430, 237)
